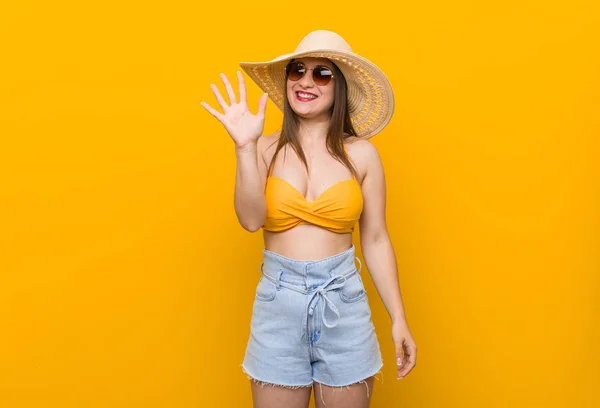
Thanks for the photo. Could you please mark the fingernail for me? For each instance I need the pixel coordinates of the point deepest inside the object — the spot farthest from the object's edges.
(399, 361)
(399, 378)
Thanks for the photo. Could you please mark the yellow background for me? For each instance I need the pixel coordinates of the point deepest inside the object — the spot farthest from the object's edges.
(126, 280)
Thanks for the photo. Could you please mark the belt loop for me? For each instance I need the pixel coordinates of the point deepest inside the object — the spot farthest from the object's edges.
(278, 279)
(359, 264)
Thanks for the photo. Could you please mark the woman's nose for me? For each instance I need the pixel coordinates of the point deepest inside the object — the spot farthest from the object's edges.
(306, 81)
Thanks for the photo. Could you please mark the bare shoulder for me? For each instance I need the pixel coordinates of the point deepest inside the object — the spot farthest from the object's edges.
(360, 147)
(362, 152)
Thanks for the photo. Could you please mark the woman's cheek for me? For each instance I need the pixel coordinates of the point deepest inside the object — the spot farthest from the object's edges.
(330, 101)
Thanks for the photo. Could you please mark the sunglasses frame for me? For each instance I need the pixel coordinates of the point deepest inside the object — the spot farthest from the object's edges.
(308, 69)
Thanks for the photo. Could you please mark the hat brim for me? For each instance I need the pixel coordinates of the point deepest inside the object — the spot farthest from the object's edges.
(370, 95)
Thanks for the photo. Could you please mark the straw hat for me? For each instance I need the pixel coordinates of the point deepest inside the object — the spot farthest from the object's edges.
(370, 95)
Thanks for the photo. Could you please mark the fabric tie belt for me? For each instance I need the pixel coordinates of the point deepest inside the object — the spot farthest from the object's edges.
(318, 292)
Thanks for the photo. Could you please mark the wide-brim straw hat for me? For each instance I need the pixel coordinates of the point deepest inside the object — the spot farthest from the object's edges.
(370, 95)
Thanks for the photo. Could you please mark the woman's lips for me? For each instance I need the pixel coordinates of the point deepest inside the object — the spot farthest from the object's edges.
(305, 96)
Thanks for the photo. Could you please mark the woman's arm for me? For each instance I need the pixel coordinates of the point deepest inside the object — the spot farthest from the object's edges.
(375, 242)
(245, 129)
(250, 179)
(380, 258)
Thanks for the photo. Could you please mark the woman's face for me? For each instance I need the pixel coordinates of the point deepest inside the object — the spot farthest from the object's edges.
(306, 98)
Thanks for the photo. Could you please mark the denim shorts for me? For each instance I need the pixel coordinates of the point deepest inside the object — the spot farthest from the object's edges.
(311, 321)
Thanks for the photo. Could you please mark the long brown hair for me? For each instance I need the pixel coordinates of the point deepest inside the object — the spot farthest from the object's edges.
(339, 124)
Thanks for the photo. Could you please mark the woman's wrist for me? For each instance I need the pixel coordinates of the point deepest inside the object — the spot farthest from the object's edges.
(398, 318)
(251, 147)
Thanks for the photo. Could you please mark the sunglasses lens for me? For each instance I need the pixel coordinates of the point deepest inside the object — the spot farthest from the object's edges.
(295, 70)
(322, 75)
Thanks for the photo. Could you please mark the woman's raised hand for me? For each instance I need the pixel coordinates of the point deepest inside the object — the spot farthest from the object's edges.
(243, 126)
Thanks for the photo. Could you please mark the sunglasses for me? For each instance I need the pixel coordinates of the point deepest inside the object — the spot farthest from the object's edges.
(296, 70)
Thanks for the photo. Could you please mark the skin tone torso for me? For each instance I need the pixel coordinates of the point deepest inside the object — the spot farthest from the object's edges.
(306, 241)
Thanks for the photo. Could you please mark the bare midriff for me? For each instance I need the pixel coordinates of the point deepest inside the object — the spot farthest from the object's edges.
(307, 242)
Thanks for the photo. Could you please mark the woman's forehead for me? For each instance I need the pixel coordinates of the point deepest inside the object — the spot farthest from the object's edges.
(315, 61)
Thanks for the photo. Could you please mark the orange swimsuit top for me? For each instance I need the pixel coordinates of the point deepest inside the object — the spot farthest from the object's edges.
(336, 209)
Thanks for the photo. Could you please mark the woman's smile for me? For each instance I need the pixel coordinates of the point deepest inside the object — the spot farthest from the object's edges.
(305, 96)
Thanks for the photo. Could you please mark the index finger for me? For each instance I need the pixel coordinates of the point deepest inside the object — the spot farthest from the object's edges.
(242, 87)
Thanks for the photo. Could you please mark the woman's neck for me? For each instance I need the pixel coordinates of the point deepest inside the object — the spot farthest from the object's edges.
(312, 130)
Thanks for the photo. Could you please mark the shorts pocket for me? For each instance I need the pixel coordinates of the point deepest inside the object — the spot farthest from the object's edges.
(265, 290)
(353, 290)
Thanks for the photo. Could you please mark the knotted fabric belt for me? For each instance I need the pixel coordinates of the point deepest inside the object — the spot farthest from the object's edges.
(335, 282)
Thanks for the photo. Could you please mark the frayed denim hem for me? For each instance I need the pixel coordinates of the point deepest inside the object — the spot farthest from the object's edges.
(295, 387)
(363, 381)
(263, 383)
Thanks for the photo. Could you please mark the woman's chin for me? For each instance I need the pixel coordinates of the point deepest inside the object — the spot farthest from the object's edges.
(306, 113)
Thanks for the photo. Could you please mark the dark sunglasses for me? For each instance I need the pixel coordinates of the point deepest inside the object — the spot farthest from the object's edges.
(296, 70)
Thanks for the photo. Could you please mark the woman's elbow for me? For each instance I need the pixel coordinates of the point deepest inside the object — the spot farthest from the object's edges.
(251, 227)
(251, 218)
(252, 224)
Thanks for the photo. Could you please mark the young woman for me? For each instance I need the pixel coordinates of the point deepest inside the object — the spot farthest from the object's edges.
(307, 187)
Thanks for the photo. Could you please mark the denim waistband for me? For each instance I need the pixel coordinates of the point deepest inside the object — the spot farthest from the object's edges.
(308, 274)
(314, 278)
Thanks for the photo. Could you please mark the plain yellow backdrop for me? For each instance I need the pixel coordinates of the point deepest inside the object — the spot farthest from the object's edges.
(126, 280)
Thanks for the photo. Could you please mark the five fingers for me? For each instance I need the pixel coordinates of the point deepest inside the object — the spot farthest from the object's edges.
(262, 103)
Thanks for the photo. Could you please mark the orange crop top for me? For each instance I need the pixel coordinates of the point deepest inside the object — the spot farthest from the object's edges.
(337, 209)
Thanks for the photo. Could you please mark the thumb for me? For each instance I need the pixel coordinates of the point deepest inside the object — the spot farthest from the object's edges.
(262, 103)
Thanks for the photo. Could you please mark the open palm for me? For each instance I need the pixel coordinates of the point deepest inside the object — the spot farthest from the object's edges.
(243, 126)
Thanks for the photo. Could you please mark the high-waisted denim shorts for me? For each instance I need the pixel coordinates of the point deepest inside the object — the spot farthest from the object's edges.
(311, 321)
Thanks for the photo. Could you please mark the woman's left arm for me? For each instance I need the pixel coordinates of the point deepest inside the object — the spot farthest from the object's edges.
(380, 258)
